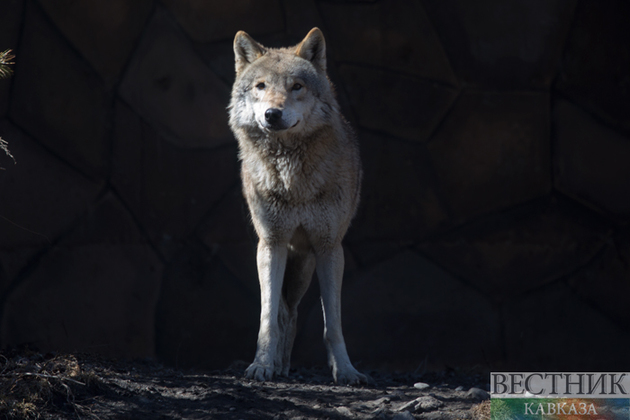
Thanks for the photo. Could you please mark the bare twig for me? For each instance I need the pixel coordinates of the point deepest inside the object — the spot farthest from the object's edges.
(43, 375)
(4, 146)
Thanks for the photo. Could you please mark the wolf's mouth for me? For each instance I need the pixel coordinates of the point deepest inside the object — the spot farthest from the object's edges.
(277, 127)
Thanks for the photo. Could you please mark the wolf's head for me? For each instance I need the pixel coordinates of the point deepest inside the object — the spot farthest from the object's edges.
(281, 91)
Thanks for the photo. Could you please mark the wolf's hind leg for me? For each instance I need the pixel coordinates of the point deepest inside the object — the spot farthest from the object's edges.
(284, 330)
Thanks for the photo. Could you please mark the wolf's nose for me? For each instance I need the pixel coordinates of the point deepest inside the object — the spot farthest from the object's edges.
(273, 115)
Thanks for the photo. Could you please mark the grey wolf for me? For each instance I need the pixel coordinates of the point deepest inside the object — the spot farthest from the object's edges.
(301, 176)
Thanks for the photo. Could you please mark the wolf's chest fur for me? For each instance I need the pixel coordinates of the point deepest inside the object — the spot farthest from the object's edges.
(293, 174)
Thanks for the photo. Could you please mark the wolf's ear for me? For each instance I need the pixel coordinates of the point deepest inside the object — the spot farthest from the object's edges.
(313, 48)
(246, 50)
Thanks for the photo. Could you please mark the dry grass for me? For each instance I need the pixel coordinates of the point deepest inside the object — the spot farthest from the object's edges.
(481, 411)
(5, 62)
(5, 72)
(30, 384)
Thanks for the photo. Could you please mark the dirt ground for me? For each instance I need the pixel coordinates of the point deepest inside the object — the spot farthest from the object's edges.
(54, 386)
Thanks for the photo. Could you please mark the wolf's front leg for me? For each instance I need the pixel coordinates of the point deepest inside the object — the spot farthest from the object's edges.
(330, 274)
(271, 261)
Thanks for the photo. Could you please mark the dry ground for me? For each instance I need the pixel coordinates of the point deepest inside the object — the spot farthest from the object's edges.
(59, 386)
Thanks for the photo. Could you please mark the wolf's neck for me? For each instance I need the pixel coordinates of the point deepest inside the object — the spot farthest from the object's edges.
(291, 145)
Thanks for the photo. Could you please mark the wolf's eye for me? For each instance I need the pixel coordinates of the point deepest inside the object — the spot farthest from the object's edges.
(296, 86)
(260, 86)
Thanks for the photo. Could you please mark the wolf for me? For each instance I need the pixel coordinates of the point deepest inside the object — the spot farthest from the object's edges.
(301, 175)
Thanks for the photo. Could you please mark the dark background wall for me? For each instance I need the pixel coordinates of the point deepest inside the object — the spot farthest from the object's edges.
(496, 145)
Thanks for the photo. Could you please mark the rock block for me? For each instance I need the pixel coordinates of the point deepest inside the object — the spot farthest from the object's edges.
(5, 94)
(219, 57)
(169, 85)
(96, 291)
(591, 161)
(605, 282)
(595, 63)
(229, 221)
(399, 197)
(519, 250)
(304, 15)
(40, 198)
(227, 231)
(492, 152)
(205, 317)
(405, 310)
(240, 260)
(398, 105)
(58, 99)
(370, 252)
(10, 26)
(207, 21)
(104, 31)
(395, 35)
(553, 329)
(498, 45)
(167, 188)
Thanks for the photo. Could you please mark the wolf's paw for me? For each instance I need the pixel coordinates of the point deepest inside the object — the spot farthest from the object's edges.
(350, 376)
(259, 372)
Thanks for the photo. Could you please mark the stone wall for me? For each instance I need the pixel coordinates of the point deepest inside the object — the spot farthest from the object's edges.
(493, 229)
